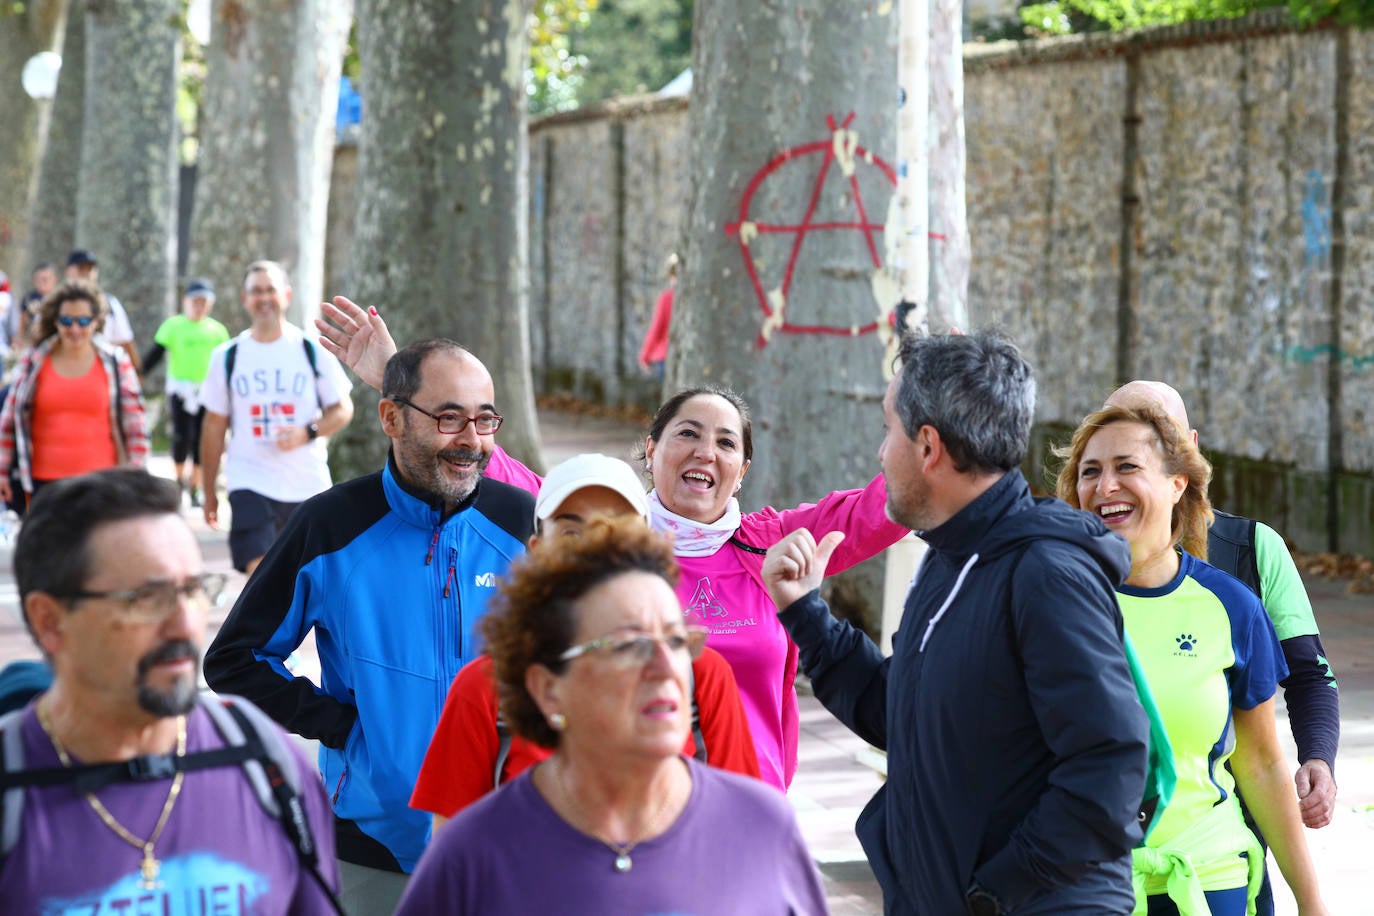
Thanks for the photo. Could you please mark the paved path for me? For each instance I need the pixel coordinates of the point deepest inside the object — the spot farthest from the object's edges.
(832, 786)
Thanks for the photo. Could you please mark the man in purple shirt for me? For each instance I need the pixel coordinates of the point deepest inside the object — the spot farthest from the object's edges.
(115, 593)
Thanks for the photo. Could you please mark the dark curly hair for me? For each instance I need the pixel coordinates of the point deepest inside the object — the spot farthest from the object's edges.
(1192, 514)
(70, 291)
(533, 618)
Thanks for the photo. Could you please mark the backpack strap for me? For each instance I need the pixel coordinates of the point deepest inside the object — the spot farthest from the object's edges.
(274, 775)
(12, 799)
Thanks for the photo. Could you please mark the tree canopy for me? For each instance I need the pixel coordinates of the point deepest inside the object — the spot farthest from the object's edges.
(1058, 17)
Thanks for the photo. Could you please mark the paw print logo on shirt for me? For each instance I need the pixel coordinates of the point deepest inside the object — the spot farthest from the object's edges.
(1187, 644)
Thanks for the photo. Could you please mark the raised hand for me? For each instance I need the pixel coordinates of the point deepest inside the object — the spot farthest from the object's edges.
(358, 337)
(796, 564)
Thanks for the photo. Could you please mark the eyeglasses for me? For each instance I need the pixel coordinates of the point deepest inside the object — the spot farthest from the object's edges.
(154, 602)
(82, 320)
(453, 423)
(636, 651)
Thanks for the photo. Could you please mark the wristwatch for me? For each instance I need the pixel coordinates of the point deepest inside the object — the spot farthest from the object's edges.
(981, 903)
(312, 432)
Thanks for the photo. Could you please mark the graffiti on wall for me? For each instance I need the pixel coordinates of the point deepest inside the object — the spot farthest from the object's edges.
(840, 151)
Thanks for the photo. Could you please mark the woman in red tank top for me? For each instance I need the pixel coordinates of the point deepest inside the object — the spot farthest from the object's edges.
(75, 404)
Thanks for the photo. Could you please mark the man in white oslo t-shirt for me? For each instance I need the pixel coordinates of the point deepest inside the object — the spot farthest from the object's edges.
(280, 393)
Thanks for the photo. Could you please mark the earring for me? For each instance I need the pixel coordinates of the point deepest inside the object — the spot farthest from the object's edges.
(558, 721)
(648, 467)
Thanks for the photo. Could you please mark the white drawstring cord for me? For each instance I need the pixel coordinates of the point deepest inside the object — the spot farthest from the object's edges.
(930, 627)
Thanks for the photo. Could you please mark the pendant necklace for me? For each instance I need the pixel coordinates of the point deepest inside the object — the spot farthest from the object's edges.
(149, 866)
(623, 862)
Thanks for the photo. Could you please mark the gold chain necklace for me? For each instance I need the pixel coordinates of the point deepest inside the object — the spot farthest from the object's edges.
(623, 862)
(150, 865)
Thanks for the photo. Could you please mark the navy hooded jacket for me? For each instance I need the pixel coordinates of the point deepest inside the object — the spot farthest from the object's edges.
(1016, 744)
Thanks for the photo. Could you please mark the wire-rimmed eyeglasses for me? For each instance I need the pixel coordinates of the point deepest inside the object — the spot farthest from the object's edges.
(631, 650)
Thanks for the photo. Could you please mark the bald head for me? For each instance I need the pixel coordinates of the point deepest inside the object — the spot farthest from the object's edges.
(1158, 395)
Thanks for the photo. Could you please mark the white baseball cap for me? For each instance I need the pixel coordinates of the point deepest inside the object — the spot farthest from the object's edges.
(590, 470)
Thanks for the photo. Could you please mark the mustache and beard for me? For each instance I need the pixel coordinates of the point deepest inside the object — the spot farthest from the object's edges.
(177, 698)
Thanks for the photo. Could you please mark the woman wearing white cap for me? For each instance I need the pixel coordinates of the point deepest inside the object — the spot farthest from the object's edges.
(473, 751)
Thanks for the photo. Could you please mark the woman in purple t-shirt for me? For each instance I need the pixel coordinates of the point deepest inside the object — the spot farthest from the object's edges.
(592, 658)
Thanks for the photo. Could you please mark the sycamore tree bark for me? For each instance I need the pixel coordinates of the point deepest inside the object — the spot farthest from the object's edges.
(443, 186)
(267, 145)
(52, 223)
(792, 135)
(25, 29)
(126, 202)
(949, 239)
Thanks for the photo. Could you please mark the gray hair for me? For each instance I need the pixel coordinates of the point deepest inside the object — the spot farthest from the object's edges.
(976, 390)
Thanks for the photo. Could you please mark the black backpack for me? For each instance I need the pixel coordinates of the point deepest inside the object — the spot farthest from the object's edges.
(253, 742)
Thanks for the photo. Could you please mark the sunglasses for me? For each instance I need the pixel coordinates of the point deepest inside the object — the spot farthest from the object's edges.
(81, 321)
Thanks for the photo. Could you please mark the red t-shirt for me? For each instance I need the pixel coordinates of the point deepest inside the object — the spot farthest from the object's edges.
(71, 423)
(458, 766)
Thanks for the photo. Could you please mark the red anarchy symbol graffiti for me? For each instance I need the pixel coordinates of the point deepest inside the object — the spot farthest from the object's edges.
(842, 150)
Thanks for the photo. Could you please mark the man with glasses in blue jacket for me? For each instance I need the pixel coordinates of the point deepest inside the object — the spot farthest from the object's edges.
(392, 571)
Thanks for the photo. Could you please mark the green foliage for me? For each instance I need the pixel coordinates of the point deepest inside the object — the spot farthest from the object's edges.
(1060, 17)
(190, 90)
(555, 71)
(633, 46)
(585, 51)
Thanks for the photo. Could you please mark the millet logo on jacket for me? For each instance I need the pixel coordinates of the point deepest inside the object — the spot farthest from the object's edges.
(484, 580)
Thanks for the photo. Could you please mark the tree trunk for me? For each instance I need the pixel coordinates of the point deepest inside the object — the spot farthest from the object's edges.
(443, 185)
(126, 202)
(34, 27)
(267, 145)
(792, 131)
(949, 239)
(52, 225)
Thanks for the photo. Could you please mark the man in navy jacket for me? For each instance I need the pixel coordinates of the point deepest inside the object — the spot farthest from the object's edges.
(392, 571)
(1015, 739)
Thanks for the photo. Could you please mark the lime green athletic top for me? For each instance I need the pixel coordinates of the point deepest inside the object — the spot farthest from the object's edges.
(189, 344)
(1206, 646)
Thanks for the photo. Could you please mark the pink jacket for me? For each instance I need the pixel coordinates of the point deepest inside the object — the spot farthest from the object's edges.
(725, 593)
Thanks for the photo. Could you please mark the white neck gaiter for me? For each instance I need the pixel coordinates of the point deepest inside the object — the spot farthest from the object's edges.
(692, 538)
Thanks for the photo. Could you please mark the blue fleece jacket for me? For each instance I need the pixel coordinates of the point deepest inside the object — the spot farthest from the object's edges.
(393, 590)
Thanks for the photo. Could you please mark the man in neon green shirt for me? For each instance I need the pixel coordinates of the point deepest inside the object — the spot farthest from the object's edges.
(188, 340)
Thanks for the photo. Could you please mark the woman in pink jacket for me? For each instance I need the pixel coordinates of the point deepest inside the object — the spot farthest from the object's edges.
(697, 453)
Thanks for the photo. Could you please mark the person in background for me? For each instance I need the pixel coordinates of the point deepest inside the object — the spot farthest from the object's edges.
(7, 305)
(654, 350)
(82, 265)
(282, 398)
(592, 660)
(697, 452)
(19, 323)
(75, 404)
(1213, 663)
(188, 340)
(472, 740)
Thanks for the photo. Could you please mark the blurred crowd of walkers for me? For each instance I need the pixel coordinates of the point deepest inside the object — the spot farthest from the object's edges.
(572, 694)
